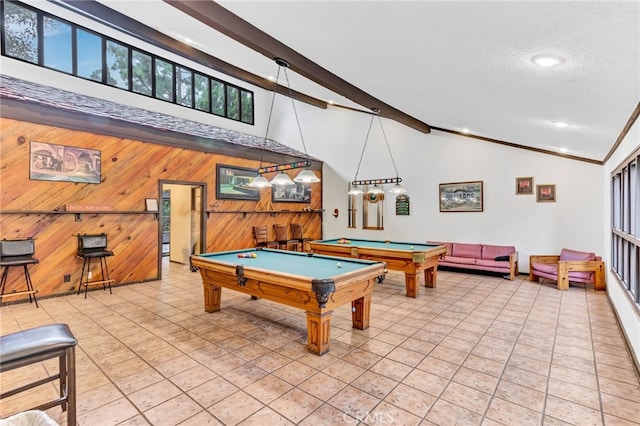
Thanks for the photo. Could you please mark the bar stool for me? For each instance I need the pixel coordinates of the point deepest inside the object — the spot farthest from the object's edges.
(39, 344)
(92, 247)
(18, 253)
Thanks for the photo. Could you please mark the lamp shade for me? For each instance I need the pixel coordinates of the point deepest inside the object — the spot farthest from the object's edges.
(375, 190)
(306, 176)
(397, 189)
(355, 190)
(260, 182)
(282, 179)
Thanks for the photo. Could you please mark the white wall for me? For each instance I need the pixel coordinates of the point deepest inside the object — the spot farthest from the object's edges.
(424, 160)
(617, 294)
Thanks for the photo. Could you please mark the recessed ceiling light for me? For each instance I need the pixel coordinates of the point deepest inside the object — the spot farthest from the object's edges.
(564, 150)
(465, 130)
(561, 124)
(547, 60)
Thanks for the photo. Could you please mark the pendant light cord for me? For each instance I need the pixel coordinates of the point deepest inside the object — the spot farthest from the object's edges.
(388, 148)
(295, 111)
(364, 147)
(266, 133)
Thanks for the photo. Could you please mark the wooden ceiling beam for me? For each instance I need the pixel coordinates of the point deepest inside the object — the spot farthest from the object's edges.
(224, 21)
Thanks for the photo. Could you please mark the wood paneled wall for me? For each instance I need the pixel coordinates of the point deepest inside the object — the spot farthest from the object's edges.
(131, 170)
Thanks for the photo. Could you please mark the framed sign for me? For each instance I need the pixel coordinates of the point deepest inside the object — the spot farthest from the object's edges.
(402, 205)
(545, 193)
(524, 185)
(298, 193)
(461, 197)
(62, 163)
(232, 183)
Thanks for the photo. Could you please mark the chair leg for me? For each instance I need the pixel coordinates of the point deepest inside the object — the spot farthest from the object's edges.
(102, 269)
(4, 280)
(62, 361)
(27, 277)
(71, 385)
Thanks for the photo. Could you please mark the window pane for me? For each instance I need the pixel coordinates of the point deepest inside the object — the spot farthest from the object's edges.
(141, 72)
(218, 99)
(20, 32)
(201, 86)
(233, 102)
(164, 80)
(89, 53)
(57, 45)
(117, 65)
(246, 106)
(184, 86)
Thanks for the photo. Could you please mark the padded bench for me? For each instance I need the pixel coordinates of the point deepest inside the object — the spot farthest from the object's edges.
(40, 344)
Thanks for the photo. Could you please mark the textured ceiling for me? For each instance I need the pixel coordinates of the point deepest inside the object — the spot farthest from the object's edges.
(453, 65)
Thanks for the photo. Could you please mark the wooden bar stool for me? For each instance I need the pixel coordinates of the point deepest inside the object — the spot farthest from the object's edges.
(261, 236)
(93, 247)
(39, 344)
(18, 253)
(283, 239)
(298, 235)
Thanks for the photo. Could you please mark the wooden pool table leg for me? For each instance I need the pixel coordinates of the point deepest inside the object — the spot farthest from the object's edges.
(430, 276)
(361, 312)
(211, 297)
(318, 327)
(411, 284)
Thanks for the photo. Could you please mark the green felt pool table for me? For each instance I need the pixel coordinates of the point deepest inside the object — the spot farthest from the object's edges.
(410, 258)
(312, 282)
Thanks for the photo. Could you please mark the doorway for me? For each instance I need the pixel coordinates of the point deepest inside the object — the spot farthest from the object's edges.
(182, 227)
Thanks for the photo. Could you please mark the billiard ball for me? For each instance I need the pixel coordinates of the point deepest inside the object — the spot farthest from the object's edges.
(410, 247)
(339, 265)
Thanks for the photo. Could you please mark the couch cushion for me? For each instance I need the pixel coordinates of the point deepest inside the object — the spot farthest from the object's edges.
(467, 250)
(492, 263)
(491, 252)
(567, 254)
(550, 270)
(461, 260)
(440, 243)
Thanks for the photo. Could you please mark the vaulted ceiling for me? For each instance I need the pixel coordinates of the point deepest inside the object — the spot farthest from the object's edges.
(455, 66)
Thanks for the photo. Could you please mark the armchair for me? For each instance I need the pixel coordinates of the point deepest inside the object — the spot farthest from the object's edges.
(570, 265)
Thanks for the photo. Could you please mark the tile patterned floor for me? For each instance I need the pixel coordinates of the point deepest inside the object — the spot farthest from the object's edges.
(476, 350)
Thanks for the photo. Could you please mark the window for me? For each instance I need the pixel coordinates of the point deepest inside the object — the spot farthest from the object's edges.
(33, 36)
(625, 211)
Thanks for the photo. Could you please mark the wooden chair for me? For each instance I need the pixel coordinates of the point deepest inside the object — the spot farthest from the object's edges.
(283, 239)
(261, 236)
(298, 235)
(570, 265)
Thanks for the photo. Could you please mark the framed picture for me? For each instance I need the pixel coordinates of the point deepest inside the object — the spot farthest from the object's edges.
(524, 186)
(62, 163)
(232, 181)
(298, 193)
(151, 204)
(546, 193)
(461, 197)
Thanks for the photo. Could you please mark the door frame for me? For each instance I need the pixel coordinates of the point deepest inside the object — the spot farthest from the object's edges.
(203, 214)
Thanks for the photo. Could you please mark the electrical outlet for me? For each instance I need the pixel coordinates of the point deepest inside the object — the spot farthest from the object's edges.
(67, 278)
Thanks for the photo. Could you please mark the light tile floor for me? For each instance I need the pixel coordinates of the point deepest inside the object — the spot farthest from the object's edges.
(475, 350)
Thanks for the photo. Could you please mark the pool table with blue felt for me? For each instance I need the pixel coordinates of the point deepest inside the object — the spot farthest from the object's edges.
(410, 258)
(312, 282)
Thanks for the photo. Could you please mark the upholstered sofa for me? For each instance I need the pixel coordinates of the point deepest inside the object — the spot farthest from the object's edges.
(570, 265)
(480, 257)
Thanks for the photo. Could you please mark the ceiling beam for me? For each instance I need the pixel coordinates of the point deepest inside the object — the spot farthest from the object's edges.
(224, 21)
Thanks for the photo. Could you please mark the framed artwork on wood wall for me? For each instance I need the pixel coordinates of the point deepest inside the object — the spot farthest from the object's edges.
(298, 193)
(62, 163)
(232, 183)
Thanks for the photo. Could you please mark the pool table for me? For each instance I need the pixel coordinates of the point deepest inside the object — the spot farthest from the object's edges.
(312, 282)
(410, 258)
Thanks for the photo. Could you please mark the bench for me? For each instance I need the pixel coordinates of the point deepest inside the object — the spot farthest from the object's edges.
(38, 344)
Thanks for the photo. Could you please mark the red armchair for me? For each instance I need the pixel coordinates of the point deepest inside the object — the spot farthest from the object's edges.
(571, 265)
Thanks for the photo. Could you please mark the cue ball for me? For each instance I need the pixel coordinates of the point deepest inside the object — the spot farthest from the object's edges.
(339, 265)
(411, 248)
(353, 309)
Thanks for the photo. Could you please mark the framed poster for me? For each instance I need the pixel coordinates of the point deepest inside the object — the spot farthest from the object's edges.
(546, 193)
(524, 185)
(62, 163)
(232, 183)
(461, 197)
(298, 193)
